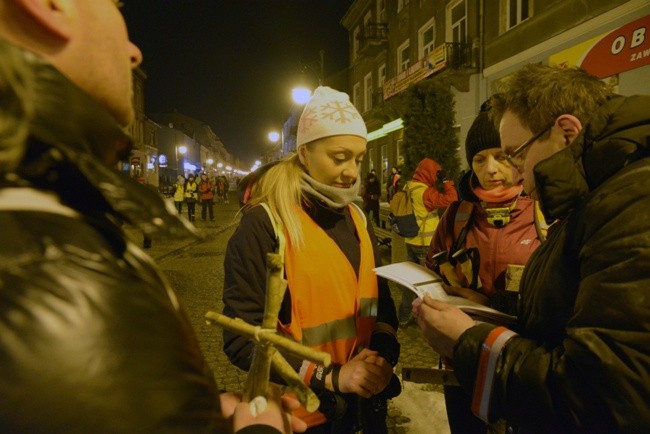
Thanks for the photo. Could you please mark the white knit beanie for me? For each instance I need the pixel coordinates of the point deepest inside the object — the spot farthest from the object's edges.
(329, 113)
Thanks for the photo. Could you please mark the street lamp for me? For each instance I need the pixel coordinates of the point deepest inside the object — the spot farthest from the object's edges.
(181, 150)
(300, 95)
(278, 141)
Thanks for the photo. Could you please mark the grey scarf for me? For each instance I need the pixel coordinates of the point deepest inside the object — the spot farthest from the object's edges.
(334, 197)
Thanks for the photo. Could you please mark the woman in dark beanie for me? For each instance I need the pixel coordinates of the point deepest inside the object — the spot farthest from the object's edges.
(498, 232)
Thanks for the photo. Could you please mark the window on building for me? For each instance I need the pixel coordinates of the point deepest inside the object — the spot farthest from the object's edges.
(371, 158)
(426, 38)
(517, 11)
(403, 57)
(381, 76)
(367, 84)
(355, 44)
(357, 98)
(457, 21)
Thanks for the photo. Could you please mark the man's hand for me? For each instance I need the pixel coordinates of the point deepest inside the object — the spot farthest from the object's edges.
(441, 324)
(278, 417)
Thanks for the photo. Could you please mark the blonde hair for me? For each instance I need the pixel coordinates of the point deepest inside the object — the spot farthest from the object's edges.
(280, 188)
(16, 109)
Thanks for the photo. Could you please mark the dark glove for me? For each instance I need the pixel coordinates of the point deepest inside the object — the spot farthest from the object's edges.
(387, 346)
(393, 389)
(332, 405)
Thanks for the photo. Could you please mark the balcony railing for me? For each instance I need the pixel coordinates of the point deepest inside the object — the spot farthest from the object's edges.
(373, 38)
(459, 55)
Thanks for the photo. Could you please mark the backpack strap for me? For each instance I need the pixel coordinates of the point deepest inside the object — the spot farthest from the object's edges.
(540, 222)
(278, 229)
(360, 212)
(462, 224)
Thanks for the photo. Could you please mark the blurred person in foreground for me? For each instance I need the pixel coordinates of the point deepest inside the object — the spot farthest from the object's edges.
(494, 221)
(334, 301)
(92, 337)
(579, 358)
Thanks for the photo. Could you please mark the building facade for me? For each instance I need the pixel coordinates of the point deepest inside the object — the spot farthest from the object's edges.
(474, 44)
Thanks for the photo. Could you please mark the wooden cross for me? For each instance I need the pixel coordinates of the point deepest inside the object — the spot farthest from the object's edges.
(265, 354)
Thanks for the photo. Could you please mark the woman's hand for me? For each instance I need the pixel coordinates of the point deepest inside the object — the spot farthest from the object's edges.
(365, 375)
(467, 293)
(386, 371)
(441, 324)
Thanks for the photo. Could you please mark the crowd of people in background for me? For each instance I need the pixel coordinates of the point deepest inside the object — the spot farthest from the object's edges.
(205, 192)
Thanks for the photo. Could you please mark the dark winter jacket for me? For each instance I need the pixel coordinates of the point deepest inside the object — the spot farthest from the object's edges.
(92, 337)
(581, 362)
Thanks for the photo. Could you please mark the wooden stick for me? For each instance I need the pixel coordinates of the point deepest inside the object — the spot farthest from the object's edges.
(239, 326)
(257, 381)
(295, 384)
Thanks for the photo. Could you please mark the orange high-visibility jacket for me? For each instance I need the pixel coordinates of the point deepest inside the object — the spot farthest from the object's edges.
(331, 310)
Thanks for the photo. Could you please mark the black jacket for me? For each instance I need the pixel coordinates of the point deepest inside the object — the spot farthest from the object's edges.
(92, 337)
(582, 360)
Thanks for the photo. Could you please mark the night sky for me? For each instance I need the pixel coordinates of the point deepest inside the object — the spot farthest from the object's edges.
(233, 63)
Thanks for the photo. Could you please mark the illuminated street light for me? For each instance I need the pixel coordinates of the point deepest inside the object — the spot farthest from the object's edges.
(274, 136)
(209, 161)
(180, 168)
(300, 95)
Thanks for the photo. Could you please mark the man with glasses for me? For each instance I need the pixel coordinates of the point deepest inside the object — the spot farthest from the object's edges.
(578, 359)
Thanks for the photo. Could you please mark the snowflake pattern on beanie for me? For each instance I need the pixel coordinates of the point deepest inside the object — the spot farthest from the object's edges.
(329, 113)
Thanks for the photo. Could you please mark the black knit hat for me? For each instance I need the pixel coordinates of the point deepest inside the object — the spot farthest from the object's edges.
(482, 135)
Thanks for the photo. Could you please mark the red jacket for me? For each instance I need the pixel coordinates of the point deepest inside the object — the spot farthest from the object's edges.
(498, 247)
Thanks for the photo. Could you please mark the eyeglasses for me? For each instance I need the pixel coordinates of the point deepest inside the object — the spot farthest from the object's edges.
(516, 157)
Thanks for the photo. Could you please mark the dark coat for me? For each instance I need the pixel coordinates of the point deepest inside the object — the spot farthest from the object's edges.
(92, 337)
(582, 360)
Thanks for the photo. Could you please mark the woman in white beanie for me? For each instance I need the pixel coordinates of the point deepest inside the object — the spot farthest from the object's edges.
(334, 301)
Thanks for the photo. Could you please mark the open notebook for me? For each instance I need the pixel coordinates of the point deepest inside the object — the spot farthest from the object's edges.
(421, 281)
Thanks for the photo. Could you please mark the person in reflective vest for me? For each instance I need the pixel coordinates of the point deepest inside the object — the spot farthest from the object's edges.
(334, 301)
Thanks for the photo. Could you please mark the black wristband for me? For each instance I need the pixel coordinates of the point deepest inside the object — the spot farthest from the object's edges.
(317, 381)
(335, 378)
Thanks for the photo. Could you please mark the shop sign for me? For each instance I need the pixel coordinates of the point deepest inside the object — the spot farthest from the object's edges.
(623, 49)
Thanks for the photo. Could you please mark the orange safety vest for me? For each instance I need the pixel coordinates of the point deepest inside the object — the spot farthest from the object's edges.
(331, 310)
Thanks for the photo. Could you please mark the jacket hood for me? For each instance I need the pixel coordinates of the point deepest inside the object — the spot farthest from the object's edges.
(614, 137)
(72, 144)
(427, 172)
